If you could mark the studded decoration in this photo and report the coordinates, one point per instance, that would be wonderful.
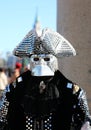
(49, 42)
(39, 124)
(75, 89)
(4, 110)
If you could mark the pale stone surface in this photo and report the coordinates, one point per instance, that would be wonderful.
(74, 23)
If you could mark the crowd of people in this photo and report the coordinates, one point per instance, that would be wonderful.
(8, 76)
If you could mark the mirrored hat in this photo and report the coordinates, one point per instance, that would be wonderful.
(48, 42)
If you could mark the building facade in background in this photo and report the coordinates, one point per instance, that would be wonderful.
(74, 23)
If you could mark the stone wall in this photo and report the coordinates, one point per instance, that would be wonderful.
(74, 23)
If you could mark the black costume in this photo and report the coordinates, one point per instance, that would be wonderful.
(46, 103)
(43, 99)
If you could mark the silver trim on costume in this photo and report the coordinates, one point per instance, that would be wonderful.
(4, 107)
(50, 42)
(32, 123)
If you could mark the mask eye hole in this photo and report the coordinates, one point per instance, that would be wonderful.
(36, 59)
(46, 59)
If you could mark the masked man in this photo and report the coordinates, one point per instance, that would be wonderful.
(42, 98)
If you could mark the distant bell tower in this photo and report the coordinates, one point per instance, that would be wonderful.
(37, 25)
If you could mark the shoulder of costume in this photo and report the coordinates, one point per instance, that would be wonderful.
(24, 76)
(69, 84)
(61, 77)
(20, 79)
(76, 88)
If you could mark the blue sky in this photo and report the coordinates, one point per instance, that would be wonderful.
(17, 18)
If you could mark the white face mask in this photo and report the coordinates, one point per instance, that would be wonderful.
(43, 65)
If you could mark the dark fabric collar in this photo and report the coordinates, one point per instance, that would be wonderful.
(58, 77)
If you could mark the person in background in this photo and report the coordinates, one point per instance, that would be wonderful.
(27, 67)
(18, 65)
(16, 72)
(43, 98)
(3, 81)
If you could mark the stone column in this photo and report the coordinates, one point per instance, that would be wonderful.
(74, 23)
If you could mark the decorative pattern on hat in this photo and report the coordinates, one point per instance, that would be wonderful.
(49, 42)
